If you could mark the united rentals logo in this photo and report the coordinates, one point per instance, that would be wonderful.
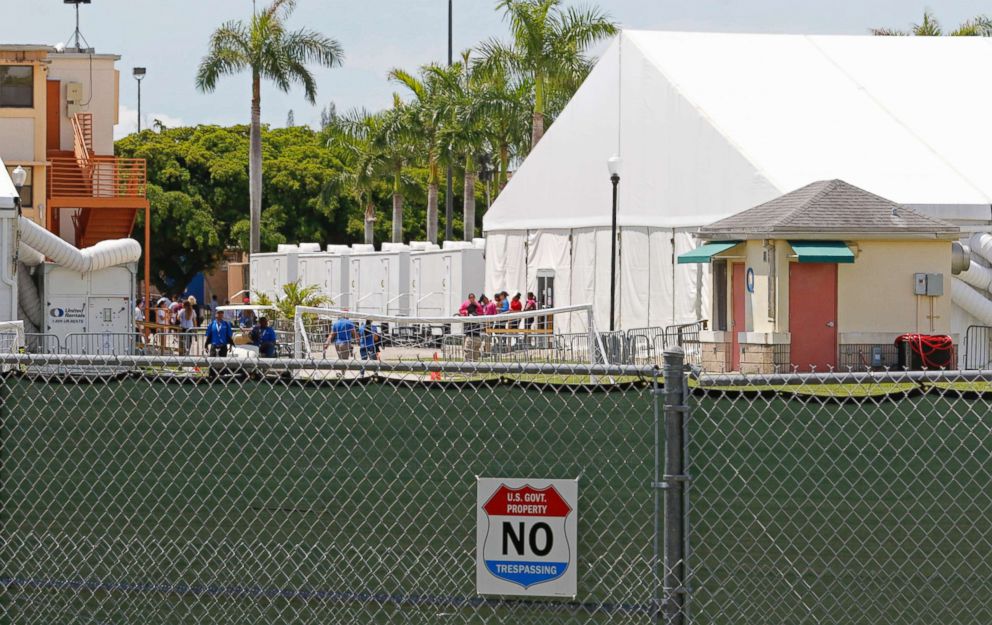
(57, 313)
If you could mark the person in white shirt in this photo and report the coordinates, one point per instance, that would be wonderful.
(187, 323)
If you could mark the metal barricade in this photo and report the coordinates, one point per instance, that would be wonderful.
(104, 343)
(37, 343)
(978, 348)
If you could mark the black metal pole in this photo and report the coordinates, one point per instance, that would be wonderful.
(139, 105)
(449, 199)
(615, 179)
(675, 480)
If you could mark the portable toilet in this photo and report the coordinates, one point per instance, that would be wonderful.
(271, 270)
(440, 279)
(379, 281)
(329, 272)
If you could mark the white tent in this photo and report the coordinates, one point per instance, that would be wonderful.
(711, 124)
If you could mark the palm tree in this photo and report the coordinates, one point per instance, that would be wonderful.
(359, 133)
(463, 132)
(980, 26)
(504, 102)
(393, 140)
(427, 114)
(549, 48)
(268, 50)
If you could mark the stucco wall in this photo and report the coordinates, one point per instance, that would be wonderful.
(22, 137)
(875, 293)
(875, 300)
(100, 90)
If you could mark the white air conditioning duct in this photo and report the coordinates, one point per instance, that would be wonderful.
(100, 256)
(973, 302)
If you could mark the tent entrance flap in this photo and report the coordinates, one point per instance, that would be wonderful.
(822, 251)
(705, 252)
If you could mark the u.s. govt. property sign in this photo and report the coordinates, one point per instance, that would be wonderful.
(527, 537)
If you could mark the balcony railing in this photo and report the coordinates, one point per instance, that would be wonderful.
(104, 177)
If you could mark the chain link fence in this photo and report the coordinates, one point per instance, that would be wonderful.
(169, 490)
(858, 498)
(146, 489)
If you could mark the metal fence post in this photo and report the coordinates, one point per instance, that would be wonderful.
(674, 482)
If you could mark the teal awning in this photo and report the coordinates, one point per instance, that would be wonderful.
(705, 253)
(822, 251)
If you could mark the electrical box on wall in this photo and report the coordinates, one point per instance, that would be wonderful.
(73, 98)
(929, 284)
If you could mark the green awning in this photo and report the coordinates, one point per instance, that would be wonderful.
(705, 253)
(822, 251)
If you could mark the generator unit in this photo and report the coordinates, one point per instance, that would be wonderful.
(95, 303)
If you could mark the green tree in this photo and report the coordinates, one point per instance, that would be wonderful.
(427, 115)
(463, 132)
(194, 242)
(207, 165)
(358, 133)
(394, 140)
(293, 294)
(548, 49)
(504, 103)
(929, 26)
(268, 50)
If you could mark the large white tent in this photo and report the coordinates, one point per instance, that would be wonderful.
(711, 124)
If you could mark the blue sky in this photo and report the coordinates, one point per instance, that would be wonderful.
(169, 38)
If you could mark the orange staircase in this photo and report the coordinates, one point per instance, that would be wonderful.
(107, 191)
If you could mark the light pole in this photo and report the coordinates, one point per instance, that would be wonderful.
(449, 200)
(613, 164)
(139, 75)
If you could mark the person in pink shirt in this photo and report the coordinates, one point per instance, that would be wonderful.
(489, 307)
(464, 310)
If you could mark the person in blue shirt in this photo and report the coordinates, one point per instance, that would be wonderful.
(369, 341)
(220, 335)
(264, 337)
(343, 334)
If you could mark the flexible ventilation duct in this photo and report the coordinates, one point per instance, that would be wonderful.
(977, 276)
(960, 257)
(973, 302)
(28, 256)
(981, 244)
(100, 256)
(29, 327)
(27, 296)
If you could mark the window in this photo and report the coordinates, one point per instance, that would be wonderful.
(16, 86)
(27, 191)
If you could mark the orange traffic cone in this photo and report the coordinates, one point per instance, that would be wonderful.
(435, 375)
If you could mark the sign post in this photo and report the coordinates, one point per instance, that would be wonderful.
(527, 537)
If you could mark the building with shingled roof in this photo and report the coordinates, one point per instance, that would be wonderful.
(826, 276)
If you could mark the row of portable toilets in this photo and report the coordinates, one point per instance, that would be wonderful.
(418, 279)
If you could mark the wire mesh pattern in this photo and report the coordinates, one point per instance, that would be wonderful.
(141, 490)
(150, 489)
(857, 499)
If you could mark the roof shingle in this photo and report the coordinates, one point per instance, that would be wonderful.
(828, 206)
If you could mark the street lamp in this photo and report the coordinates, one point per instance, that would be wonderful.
(613, 164)
(18, 177)
(139, 75)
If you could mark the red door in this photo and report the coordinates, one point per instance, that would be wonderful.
(738, 322)
(53, 118)
(813, 315)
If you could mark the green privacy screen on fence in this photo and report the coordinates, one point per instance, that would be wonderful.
(257, 501)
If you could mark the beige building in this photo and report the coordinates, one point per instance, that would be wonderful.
(58, 110)
(828, 276)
